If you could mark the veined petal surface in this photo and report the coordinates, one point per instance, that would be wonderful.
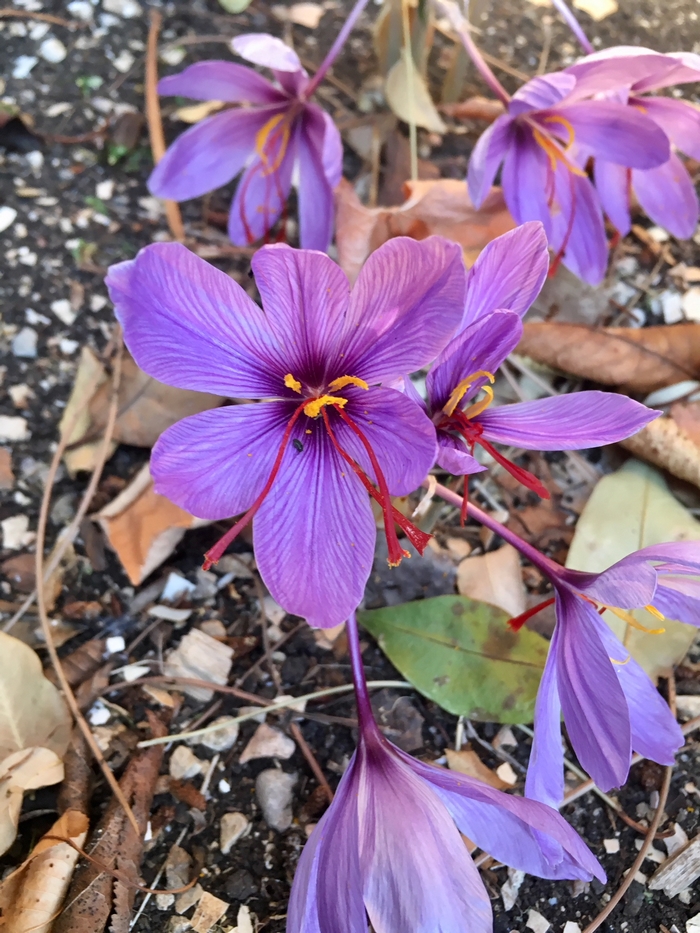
(220, 80)
(545, 772)
(487, 155)
(315, 192)
(667, 195)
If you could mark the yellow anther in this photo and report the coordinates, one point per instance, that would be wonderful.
(567, 126)
(343, 381)
(478, 407)
(555, 153)
(632, 622)
(655, 612)
(292, 383)
(262, 138)
(313, 408)
(460, 390)
(622, 663)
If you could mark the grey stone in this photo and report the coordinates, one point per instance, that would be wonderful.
(24, 343)
(273, 789)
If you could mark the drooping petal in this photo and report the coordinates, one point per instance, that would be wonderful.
(622, 66)
(686, 70)
(541, 92)
(508, 273)
(314, 535)
(614, 132)
(454, 457)
(679, 119)
(527, 181)
(396, 848)
(486, 158)
(668, 196)
(678, 598)
(208, 154)
(545, 772)
(481, 347)
(305, 297)
(189, 325)
(566, 422)
(220, 80)
(613, 182)
(325, 138)
(316, 205)
(264, 187)
(577, 226)
(400, 433)
(406, 303)
(510, 828)
(628, 584)
(595, 710)
(267, 51)
(215, 464)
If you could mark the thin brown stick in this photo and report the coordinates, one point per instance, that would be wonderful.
(155, 124)
(41, 598)
(44, 17)
(311, 760)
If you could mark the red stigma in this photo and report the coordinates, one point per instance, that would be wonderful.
(517, 622)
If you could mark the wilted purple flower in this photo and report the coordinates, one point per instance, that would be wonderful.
(666, 192)
(501, 286)
(389, 847)
(304, 460)
(278, 130)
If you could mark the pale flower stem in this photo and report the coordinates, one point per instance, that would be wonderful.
(574, 25)
(364, 707)
(461, 26)
(410, 66)
(347, 28)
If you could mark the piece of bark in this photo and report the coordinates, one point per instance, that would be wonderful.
(638, 360)
(74, 792)
(679, 871)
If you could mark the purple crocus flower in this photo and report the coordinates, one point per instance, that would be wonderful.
(501, 286)
(278, 130)
(303, 461)
(666, 192)
(389, 847)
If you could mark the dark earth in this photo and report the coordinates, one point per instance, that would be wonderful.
(64, 238)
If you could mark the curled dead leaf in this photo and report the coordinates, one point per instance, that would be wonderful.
(666, 444)
(468, 762)
(475, 108)
(440, 207)
(408, 96)
(632, 359)
(26, 769)
(495, 577)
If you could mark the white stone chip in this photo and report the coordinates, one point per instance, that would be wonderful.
(23, 66)
(571, 927)
(13, 428)
(14, 532)
(99, 715)
(176, 586)
(221, 738)
(115, 644)
(184, 764)
(105, 189)
(63, 311)
(80, 9)
(128, 9)
(8, 215)
(233, 827)
(691, 305)
(536, 922)
(52, 50)
(24, 343)
(268, 742)
(611, 846)
(123, 61)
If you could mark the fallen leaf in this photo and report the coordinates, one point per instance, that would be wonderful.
(468, 762)
(461, 654)
(597, 9)
(397, 170)
(7, 477)
(209, 911)
(664, 443)
(301, 14)
(31, 897)
(235, 6)
(23, 770)
(632, 359)
(143, 527)
(407, 94)
(628, 510)
(91, 373)
(194, 113)
(199, 657)
(494, 578)
(32, 711)
(475, 108)
(439, 207)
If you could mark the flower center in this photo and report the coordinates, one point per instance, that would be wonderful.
(552, 145)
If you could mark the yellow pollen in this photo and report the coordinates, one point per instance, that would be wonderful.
(567, 126)
(308, 431)
(292, 383)
(343, 381)
(313, 408)
(632, 622)
(460, 390)
(555, 153)
(622, 663)
(263, 136)
(478, 407)
(655, 612)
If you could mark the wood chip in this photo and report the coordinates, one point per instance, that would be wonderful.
(468, 762)
(200, 657)
(209, 911)
(679, 871)
(7, 477)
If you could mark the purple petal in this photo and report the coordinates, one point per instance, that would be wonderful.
(541, 92)
(594, 706)
(668, 196)
(482, 346)
(526, 180)
(566, 422)
(511, 828)
(400, 433)
(305, 297)
(582, 235)
(314, 534)
(453, 457)
(411, 392)
(407, 301)
(486, 157)
(612, 182)
(220, 80)
(676, 554)
(679, 120)
(622, 66)
(264, 187)
(208, 154)
(267, 51)
(628, 584)
(685, 71)
(678, 598)
(316, 204)
(216, 463)
(325, 138)
(189, 325)
(404, 827)
(508, 274)
(613, 132)
(545, 772)
(655, 732)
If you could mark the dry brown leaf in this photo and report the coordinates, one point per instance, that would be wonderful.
(31, 897)
(494, 578)
(408, 96)
(397, 170)
(664, 443)
(143, 527)
(209, 911)
(634, 360)
(438, 207)
(301, 14)
(32, 711)
(91, 372)
(475, 108)
(24, 770)
(597, 9)
(7, 477)
(468, 762)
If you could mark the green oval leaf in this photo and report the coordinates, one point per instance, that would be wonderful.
(461, 654)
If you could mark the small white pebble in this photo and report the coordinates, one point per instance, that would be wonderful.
(123, 61)
(115, 644)
(13, 428)
(99, 715)
(80, 9)
(611, 846)
(224, 786)
(105, 189)
(23, 66)
(63, 311)
(8, 215)
(125, 8)
(68, 346)
(52, 50)
(97, 302)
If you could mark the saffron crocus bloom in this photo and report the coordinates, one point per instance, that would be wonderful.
(501, 286)
(278, 130)
(304, 460)
(666, 192)
(538, 143)
(389, 848)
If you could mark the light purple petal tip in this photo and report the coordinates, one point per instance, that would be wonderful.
(667, 195)
(266, 51)
(220, 80)
(486, 158)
